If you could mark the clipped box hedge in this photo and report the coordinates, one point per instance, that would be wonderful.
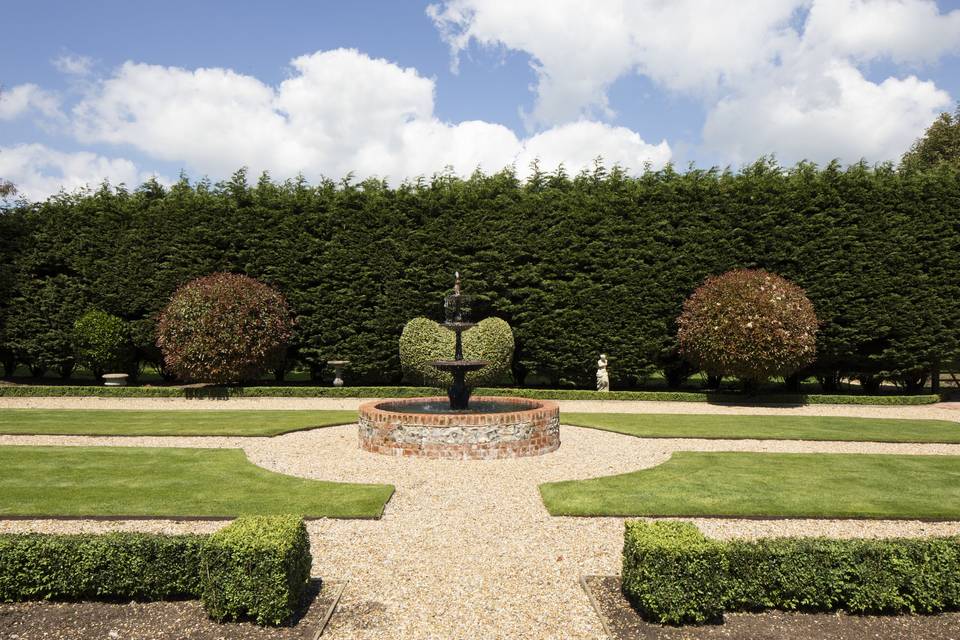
(256, 567)
(96, 567)
(50, 391)
(673, 574)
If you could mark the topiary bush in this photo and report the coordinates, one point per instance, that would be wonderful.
(424, 341)
(748, 323)
(142, 566)
(673, 574)
(223, 328)
(256, 567)
(101, 341)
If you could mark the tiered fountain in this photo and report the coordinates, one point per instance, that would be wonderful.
(456, 426)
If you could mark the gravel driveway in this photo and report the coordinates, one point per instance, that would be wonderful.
(466, 549)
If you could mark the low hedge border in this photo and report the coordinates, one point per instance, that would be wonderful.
(256, 567)
(34, 391)
(673, 574)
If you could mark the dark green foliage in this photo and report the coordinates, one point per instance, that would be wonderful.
(256, 567)
(673, 574)
(101, 342)
(97, 567)
(578, 266)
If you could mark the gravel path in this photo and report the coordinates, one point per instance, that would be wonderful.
(466, 549)
(941, 411)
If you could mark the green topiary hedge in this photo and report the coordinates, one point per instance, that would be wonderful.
(94, 567)
(256, 567)
(424, 341)
(673, 574)
(101, 342)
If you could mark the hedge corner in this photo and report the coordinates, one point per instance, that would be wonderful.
(257, 567)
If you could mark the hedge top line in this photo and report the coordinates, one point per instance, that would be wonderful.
(57, 391)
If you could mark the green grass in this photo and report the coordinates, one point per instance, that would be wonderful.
(168, 482)
(95, 422)
(792, 485)
(768, 427)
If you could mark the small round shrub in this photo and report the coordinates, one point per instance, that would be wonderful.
(223, 328)
(424, 341)
(750, 324)
(101, 341)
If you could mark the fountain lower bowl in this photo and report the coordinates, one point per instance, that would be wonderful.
(419, 427)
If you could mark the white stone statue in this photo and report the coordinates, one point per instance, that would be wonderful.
(603, 378)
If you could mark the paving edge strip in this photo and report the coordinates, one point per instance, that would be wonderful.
(333, 605)
(593, 603)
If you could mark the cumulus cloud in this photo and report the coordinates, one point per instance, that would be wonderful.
(763, 68)
(26, 98)
(833, 113)
(339, 111)
(39, 171)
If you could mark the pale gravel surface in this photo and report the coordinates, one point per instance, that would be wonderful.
(941, 411)
(465, 548)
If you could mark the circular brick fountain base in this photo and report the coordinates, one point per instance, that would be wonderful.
(531, 429)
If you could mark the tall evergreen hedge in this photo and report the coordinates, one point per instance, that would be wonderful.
(599, 262)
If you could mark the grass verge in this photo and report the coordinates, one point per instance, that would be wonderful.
(793, 485)
(768, 427)
(97, 422)
(168, 482)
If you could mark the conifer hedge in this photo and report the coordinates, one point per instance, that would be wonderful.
(596, 263)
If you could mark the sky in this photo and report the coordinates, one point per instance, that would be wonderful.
(122, 91)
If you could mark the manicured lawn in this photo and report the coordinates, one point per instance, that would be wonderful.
(141, 481)
(770, 484)
(768, 427)
(95, 422)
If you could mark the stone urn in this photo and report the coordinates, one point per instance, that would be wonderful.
(338, 366)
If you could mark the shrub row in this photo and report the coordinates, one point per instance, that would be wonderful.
(596, 263)
(256, 567)
(673, 574)
(52, 391)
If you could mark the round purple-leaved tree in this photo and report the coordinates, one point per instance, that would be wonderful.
(223, 328)
(748, 323)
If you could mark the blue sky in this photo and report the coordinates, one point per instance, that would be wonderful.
(119, 90)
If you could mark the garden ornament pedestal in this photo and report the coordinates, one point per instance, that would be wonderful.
(338, 366)
(115, 379)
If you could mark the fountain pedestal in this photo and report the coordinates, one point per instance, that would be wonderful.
(459, 392)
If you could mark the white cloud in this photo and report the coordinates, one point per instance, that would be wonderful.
(775, 75)
(39, 171)
(25, 98)
(73, 65)
(580, 48)
(833, 113)
(902, 30)
(577, 144)
(340, 111)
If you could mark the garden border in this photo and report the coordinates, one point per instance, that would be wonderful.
(217, 392)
